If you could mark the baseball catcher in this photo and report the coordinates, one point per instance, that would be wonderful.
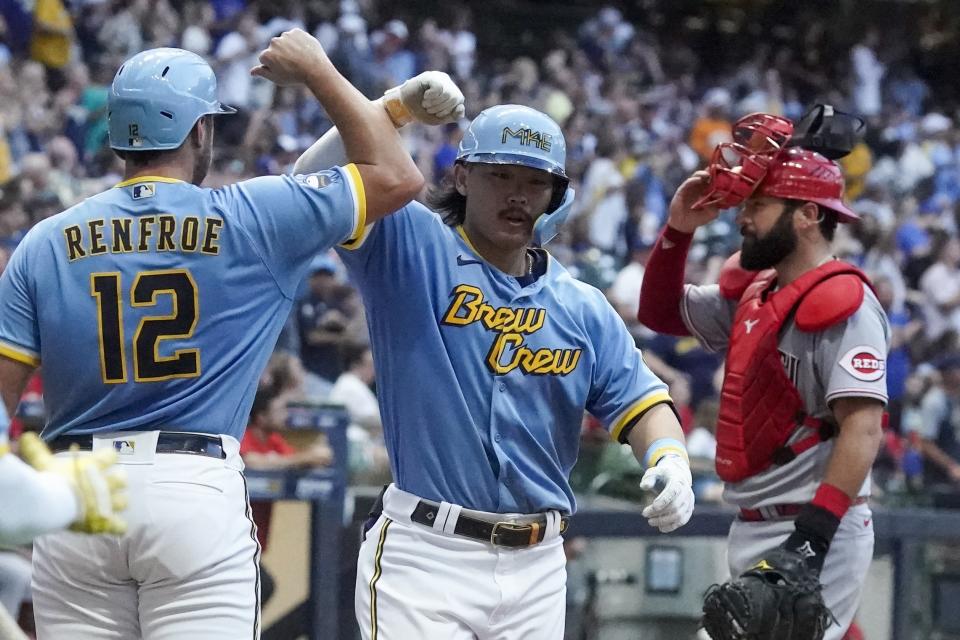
(801, 408)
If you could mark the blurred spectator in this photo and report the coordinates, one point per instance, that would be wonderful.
(713, 125)
(391, 55)
(868, 74)
(263, 448)
(322, 321)
(701, 441)
(604, 203)
(905, 329)
(353, 391)
(940, 285)
(52, 35)
(939, 425)
(368, 455)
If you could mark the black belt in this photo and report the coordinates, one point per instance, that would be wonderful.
(198, 444)
(504, 534)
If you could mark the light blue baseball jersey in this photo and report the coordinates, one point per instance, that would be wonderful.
(483, 382)
(156, 304)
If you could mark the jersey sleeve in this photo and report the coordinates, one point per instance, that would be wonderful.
(380, 247)
(19, 329)
(623, 388)
(851, 357)
(708, 315)
(289, 219)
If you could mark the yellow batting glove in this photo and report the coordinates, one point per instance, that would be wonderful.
(98, 484)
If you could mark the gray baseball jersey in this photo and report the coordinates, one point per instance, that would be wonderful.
(846, 360)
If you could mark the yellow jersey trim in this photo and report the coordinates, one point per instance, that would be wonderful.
(14, 353)
(463, 234)
(127, 183)
(353, 174)
(636, 409)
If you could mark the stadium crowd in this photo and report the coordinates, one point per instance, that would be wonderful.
(643, 92)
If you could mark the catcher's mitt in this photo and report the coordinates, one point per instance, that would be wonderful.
(777, 599)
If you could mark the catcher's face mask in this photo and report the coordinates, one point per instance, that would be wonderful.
(737, 167)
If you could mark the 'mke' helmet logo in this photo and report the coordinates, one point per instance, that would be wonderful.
(528, 137)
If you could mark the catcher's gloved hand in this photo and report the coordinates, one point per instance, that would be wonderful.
(673, 506)
(777, 599)
(93, 478)
(431, 98)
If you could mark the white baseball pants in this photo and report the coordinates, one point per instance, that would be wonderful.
(187, 568)
(429, 584)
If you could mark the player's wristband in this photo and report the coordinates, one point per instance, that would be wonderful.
(833, 499)
(395, 108)
(662, 447)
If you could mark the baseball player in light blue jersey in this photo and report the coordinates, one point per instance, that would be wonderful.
(153, 307)
(487, 353)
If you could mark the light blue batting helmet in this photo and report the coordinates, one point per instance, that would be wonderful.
(514, 134)
(156, 98)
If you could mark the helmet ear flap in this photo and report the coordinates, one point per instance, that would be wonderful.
(559, 191)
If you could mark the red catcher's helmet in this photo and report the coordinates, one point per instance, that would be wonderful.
(737, 167)
(799, 174)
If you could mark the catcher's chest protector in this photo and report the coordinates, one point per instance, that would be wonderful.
(760, 407)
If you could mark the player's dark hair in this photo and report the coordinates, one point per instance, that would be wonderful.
(828, 218)
(448, 202)
(148, 157)
(140, 158)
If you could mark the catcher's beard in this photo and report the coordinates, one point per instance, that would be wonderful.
(758, 253)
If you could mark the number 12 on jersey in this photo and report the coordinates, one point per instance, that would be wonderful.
(148, 364)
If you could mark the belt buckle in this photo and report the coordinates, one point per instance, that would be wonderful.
(510, 526)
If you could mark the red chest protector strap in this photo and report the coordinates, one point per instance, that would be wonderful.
(761, 408)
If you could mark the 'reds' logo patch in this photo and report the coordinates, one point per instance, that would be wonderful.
(864, 363)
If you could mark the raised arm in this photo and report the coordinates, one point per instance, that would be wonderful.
(429, 98)
(662, 289)
(370, 140)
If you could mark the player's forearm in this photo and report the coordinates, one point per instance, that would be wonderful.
(34, 503)
(370, 141)
(861, 432)
(860, 421)
(659, 424)
(662, 288)
(326, 152)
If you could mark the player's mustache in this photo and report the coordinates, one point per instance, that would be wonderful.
(514, 211)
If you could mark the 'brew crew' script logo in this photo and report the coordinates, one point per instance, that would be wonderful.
(509, 350)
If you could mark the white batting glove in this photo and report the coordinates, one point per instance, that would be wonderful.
(431, 98)
(672, 508)
(96, 481)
